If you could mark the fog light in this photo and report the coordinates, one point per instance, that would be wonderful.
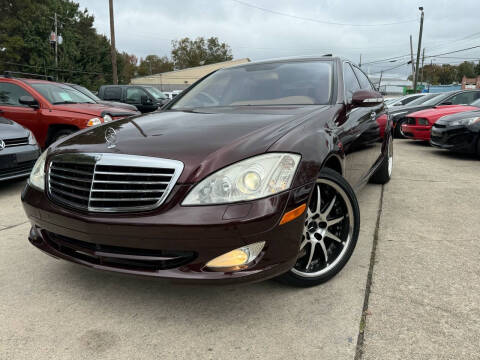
(237, 259)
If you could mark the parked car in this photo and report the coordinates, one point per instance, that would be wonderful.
(404, 100)
(458, 132)
(18, 150)
(52, 110)
(95, 98)
(144, 98)
(460, 97)
(251, 174)
(420, 123)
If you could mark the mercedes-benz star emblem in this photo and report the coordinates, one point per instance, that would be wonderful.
(2, 144)
(111, 137)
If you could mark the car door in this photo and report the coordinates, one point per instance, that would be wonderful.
(139, 97)
(11, 108)
(358, 131)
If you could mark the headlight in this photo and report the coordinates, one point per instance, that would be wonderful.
(37, 176)
(466, 121)
(94, 121)
(31, 139)
(107, 118)
(250, 179)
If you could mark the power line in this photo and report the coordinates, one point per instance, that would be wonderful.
(315, 20)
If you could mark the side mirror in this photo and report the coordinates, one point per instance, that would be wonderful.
(29, 101)
(145, 100)
(363, 98)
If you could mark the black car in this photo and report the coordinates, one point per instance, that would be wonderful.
(95, 98)
(458, 132)
(144, 98)
(460, 97)
(18, 150)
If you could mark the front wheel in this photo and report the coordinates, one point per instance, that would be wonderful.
(330, 232)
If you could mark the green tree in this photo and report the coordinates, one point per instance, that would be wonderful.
(153, 64)
(467, 69)
(190, 53)
(84, 56)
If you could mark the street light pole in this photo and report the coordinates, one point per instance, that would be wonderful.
(113, 50)
(419, 49)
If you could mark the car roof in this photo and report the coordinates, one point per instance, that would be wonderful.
(291, 59)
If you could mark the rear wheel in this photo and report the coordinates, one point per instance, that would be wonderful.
(330, 232)
(384, 172)
(398, 129)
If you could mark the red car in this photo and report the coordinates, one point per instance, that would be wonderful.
(52, 110)
(420, 123)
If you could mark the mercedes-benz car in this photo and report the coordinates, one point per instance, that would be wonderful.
(18, 150)
(250, 174)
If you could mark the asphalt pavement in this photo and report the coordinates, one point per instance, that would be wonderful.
(417, 297)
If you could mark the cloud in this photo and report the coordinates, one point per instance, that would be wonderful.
(147, 27)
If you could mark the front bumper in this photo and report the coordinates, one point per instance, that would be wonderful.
(455, 138)
(417, 132)
(17, 161)
(173, 242)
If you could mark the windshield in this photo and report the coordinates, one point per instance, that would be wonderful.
(435, 99)
(157, 94)
(476, 103)
(282, 83)
(87, 92)
(61, 94)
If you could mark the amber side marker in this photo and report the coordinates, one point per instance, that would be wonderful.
(293, 214)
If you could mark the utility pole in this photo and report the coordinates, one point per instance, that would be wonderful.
(360, 63)
(423, 61)
(419, 48)
(411, 61)
(56, 42)
(112, 41)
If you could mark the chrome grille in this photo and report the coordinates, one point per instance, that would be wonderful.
(16, 142)
(111, 182)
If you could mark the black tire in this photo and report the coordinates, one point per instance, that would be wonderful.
(398, 129)
(478, 147)
(384, 172)
(346, 230)
(60, 134)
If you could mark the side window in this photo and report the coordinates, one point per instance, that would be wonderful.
(350, 80)
(113, 93)
(464, 98)
(11, 93)
(134, 95)
(363, 79)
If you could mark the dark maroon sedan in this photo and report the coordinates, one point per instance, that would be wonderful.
(249, 174)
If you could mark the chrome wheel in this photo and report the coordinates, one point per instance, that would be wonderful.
(328, 230)
(390, 157)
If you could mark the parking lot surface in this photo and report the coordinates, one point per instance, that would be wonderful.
(423, 302)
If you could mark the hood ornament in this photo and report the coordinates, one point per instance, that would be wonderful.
(2, 144)
(111, 138)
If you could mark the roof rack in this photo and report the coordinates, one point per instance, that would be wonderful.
(8, 74)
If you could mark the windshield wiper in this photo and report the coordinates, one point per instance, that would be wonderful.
(64, 102)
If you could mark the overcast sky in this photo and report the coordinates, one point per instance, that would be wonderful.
(312, 28)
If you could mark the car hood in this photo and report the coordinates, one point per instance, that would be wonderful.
(204, 140)
(11, 130)
(95, 109)
(440, 111)
(119, 105)
(463, 115)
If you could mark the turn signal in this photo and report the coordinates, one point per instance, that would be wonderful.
(293, 214)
